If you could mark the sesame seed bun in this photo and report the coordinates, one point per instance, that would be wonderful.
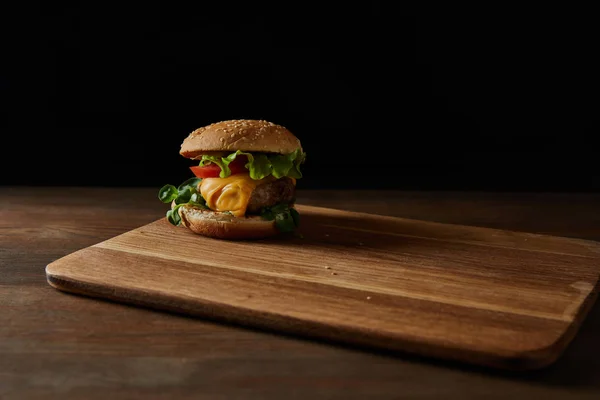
(224, 226)
(242, 134)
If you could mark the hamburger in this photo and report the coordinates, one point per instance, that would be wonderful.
(243, 184)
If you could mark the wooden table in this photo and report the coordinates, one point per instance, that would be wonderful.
(55, 345)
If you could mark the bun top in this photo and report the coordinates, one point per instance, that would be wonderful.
(241, 134)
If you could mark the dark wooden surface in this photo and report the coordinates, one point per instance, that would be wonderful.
(55, 345)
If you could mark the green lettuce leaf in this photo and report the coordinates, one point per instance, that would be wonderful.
(261, 165)
(287, 219)
(297, 158)
(185, 194)
(281, 165)
(222, 162)
(258, 167)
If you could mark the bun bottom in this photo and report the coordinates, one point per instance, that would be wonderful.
(225, 226)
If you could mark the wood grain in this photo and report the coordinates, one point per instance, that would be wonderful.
(487, 296)
(58, 346)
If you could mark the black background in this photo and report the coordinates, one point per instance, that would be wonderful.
(381, 96)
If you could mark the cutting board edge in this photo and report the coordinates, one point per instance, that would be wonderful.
(522, 361)
(590, 242)
(587, 242)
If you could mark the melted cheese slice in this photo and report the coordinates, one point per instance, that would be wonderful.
(230, 194)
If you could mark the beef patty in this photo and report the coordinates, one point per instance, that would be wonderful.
(282, 190)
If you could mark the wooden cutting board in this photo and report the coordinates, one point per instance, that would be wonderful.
(497, 298)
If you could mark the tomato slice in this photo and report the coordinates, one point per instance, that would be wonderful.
(211, 170)
(238, 166)
(208, 171)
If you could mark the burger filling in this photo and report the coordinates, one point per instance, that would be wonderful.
(241, 184)
(257, 165)
(272, 193)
